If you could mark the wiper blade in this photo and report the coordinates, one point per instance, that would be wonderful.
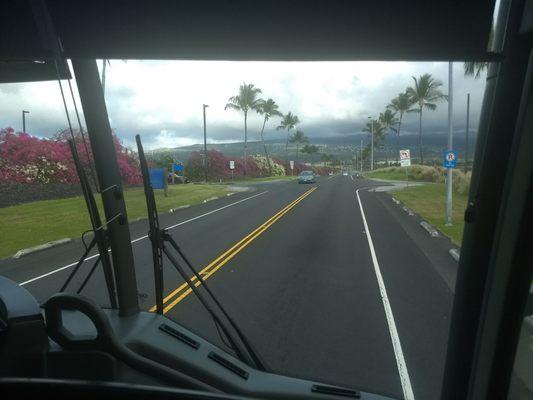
(158, 238)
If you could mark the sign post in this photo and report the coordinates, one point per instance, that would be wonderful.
(405, 161)
(449, 162)
(172, 169)
(292, 166)
(232, 167)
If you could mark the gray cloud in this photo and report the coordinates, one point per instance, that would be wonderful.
(162, 100)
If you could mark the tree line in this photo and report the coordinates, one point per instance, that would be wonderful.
(423, 94)
(248, 100)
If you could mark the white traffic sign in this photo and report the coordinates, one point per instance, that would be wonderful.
(405, 158)
(232, 164)
(292, 164)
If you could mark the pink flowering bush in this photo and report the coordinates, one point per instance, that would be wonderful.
(218, 167)
(29, 159)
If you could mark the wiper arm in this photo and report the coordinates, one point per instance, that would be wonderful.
(158, 238)
(99, 240)
(257, 360)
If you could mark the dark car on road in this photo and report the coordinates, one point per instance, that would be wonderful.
(306, 177)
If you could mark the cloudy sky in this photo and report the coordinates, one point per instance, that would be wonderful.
(162, 100)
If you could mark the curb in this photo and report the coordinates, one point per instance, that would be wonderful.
(179, 208)
(455, 253)
(45, 246)
(432, 231)
(209, 199)
(408, 210)
(395, 200)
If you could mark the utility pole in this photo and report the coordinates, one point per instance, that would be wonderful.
(467, 129)
(205, 146)
(450, 145)
(361, 148)
(24, 112)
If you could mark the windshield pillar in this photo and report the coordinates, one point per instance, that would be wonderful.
(103, 148)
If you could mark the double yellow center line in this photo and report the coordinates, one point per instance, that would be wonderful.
(184, 290)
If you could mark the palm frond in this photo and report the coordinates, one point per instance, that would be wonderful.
(475, 68)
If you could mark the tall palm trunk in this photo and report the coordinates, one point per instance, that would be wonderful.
(420, 139)
(265, 148)
(245, 142)
(398, 138)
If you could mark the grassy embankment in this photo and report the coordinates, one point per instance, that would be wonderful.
(429, 201)
(31, 224)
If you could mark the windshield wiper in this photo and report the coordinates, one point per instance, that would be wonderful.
(159, 237)
(100, 238)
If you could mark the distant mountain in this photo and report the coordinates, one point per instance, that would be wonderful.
(341, 147)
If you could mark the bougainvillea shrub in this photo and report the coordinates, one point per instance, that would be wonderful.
(218, 167)
(29, 159)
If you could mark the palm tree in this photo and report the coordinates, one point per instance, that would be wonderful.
(326, 158)
(298, 138)
(310, 149)
(388, 120)
(475, 68)
(288, 122)
(377, 131)
(400, 105)
(245, 101)
(267, 108)
(424, 93)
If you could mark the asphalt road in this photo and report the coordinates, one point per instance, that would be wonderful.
(319, 294)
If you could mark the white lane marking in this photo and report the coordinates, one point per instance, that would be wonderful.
(143, 237)
(332, 176)
(351, 177)
(398, 353)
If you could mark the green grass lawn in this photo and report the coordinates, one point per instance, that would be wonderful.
(31, 224)
(429, 201)
(383, 174)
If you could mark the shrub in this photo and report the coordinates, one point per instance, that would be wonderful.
(29, 159)
(461, 181)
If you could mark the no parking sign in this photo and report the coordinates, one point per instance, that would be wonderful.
(405, 158)
(450, 159)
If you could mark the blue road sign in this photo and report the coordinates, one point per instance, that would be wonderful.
(178, 167)
(450, 159)
(157, 178)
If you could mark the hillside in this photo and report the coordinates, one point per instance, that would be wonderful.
(342, 147)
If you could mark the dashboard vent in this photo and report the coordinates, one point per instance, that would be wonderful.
(336, 391)
(180, 336)
(228, 365)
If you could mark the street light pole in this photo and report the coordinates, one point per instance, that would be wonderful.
(24, 112)
(450, 145)
(371, 143)
(205, 146)
(361, 150)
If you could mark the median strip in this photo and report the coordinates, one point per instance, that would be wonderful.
(184, 290)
